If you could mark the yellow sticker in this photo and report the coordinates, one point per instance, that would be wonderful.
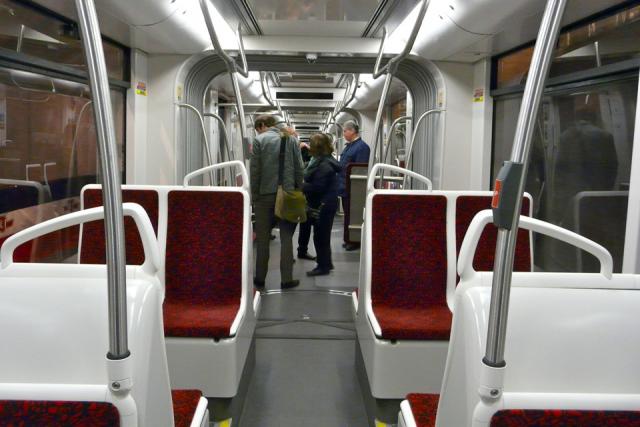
(179, 90)
(141, 89)
(478, 95)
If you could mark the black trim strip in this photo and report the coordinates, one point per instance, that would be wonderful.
(580, 78)
(24, 62)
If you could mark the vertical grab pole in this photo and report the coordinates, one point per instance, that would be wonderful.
(207, 147)
(241, 117)
(507, 199)
(112, 196)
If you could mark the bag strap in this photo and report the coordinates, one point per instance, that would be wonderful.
(283, 142)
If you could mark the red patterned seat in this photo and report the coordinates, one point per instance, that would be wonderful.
(466, 209)
(203, 275)
(424, 408)
(409, 266)
(185, 403)
(17, 413)
(92, 250)
(565, 418)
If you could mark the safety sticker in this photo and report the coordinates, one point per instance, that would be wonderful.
(478, 95)
(141, 89)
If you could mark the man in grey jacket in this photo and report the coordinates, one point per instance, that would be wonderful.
(265, 161)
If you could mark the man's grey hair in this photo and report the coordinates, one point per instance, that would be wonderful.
(351, 125)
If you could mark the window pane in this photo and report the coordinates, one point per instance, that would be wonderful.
(579, 167)
(604, 41)
(29, 31)
(48, 152)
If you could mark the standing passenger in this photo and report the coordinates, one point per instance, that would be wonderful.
(265, 162)
(355, 151)
(321, 190)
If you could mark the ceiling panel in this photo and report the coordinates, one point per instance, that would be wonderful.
(346, 18)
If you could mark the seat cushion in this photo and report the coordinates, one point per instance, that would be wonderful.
(565, 418)
(92, 250)
(424, 408)
(198, 319)
(58, 413)
(430, 323)
(185, 403)
(409, 266)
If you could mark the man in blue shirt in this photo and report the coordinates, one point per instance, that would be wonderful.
(355, 151)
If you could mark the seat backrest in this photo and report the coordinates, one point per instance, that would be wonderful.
(568, 345)
(408, 249)
(92, 241)
(467, 206)
(55, 324)
(204, 249)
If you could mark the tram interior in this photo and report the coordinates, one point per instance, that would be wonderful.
(395, 334)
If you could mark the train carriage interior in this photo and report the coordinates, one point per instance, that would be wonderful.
(485, 247)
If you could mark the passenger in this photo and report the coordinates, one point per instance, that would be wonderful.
(321, 190)
(265, 162)
(355, 151)
(305, 227)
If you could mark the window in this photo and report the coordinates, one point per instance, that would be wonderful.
(600, 42)
(579, 167)
(30, 31)
(48, 142)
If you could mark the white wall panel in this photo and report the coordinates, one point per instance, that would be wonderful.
(161, 149)
(458, 81)
(481, 127)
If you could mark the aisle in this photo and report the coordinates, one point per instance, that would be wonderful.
(305, 343)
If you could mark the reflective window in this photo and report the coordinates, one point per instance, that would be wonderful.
(48, 152)
(579, 167)
(29, 31)
(601, 42)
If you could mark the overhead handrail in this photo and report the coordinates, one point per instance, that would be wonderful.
(382, 166)
(394, 124)
(232, 68)
(485, 217)
(207, 147)
(152, 261)
(119, 368)
(224, 132)
(234, 163)
(407, 157)
(349, 95)
(507, 203)
(390, 68)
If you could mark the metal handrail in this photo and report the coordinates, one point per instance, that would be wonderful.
(232, 68)
(112, 196)
(224, 133)
(407, 157)
(394, 124)
(390, 68)
(207, 148)
(508, 199)
(393, 62)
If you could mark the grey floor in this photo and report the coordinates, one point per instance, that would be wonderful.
(305, 343)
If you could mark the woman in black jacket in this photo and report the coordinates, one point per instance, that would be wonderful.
(321, 189)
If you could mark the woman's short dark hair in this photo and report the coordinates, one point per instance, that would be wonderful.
(264, 120)
(320, 144)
